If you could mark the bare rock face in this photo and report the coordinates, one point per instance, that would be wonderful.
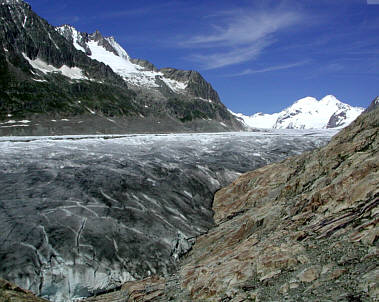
(10, 292)
(374, 104)
(305, 229)
(307, 226)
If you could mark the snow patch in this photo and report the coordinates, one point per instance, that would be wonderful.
(205, 100)
(13, 121)
(174, 85)
(257, 120)
(9, 124)
(93, 112)
(74, 73)
(12, 126)
(55, 44)
(122, 66)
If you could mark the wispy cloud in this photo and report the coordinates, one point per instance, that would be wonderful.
(129, 12)
(268, 69)
(244, 28)
(234, 56)
(241, 37)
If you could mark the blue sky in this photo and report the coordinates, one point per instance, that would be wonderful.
(259, 55)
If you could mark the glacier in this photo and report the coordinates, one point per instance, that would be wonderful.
(83, 214)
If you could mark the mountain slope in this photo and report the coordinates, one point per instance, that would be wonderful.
(135, 72)
(305, 229)
(307, 113)
(294, 228)
(52, 74)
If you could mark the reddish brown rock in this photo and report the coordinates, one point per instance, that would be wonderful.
(10, 292)
(275, 220)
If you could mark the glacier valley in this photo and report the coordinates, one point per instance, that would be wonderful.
(83, 214)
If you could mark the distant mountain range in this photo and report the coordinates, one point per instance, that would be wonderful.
(306, 113)
(58, 80)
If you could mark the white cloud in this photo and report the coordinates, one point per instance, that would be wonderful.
(240, 37)
(271, 68)
(234, 56)
(244, 28)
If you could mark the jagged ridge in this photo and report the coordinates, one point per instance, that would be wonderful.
(52, 73)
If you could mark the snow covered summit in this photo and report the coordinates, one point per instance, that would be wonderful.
(109, 52)
(307, 113)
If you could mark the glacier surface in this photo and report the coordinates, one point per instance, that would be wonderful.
(83, 214)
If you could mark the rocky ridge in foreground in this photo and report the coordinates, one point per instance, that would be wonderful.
(305, 229)
(10, 292)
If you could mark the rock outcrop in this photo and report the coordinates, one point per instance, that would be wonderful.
(305, 229)
(10, 292)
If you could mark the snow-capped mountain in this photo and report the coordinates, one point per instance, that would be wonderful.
(258, 120)
(109, 52)
(306, 113)
(69, 82)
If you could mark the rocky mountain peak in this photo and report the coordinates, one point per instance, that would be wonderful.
(97, 36)
(79, 39)
(145, 64)
(196, 83)
(103, 42)
(13, 2)
(374, 105)
(140, 72)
